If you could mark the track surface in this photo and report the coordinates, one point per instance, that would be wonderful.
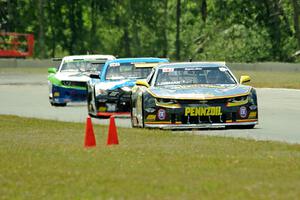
(27, 95)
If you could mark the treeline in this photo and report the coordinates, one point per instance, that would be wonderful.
(231, 30)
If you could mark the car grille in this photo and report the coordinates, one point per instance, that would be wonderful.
(208, 102)
(203, 119)
(74, 83)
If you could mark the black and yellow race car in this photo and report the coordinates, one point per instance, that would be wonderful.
(193, 95)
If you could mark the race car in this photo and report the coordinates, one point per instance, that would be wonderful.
(193, 95)
(67, 83)
(110, 94)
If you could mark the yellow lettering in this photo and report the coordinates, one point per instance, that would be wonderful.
(213, 111)
(207, 111)
(193, 112)
(198, 111)
(203, 111)
(187, 111)
(218, 111)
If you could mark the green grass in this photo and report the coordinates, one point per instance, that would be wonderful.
(43, 159)
(266, 79)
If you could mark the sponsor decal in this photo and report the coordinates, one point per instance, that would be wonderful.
(168, 69)
(252, 114)
(151, 117)
(56, 94)
(192, 68)
(253, 107)
(102, 109)
(203, 111)
(114, 64)
(145, 65)
(222, 69)
(161, 114)
(243, 112)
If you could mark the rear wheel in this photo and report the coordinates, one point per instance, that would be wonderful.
(90, 101)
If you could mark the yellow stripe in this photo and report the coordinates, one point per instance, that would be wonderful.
(252, 114)
(246, 120)
(241, 120)
(166, 105)
(137, 65)
(162, 123)
(238, 103)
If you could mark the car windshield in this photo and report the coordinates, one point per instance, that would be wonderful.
(119, 71)
(82, 66)
(194, 75)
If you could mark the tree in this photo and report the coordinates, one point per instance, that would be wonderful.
(178, 15)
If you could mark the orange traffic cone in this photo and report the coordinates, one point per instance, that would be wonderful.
(89, 140)
(112, 137)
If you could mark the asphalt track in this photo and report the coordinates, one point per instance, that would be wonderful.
(27, 95)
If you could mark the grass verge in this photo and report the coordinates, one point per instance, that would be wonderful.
(43, 159)
(265, 79)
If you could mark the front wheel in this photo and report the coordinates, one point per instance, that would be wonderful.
(58, 104)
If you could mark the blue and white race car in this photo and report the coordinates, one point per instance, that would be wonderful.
(67, 83)
(110, 93)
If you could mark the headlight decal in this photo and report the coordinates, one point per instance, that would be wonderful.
(236, 102)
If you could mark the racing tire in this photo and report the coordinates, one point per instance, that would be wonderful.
(247, 127)
(241, 127)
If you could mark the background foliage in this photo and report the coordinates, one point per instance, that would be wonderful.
(231, 30)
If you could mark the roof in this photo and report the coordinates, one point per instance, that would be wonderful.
(193, 64)
(146, 59)
(89, 57)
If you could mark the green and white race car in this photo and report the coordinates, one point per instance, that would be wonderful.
(67, 83)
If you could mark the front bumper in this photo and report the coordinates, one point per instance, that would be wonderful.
(65, 95)
(115, 102)
(199, 126)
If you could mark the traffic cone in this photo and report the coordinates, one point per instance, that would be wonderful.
(112, 137)
(89, 140)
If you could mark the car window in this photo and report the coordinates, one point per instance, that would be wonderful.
(80, 66)
(119, 71)
(194, 75)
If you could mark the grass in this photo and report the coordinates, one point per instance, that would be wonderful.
(43, 159)
(265, 79)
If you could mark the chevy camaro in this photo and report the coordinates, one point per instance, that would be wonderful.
(67, 83)
(193, 95)
(110, 93)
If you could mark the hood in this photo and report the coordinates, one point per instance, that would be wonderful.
(199, 91)
(112, 85)
(73, 76)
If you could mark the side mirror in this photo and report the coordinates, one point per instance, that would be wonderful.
(52, 70)
(95, 76)
(142, 83)
(244, 79)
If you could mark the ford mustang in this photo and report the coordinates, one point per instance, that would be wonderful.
(193, 95)
(110, 93)
(68, 82)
